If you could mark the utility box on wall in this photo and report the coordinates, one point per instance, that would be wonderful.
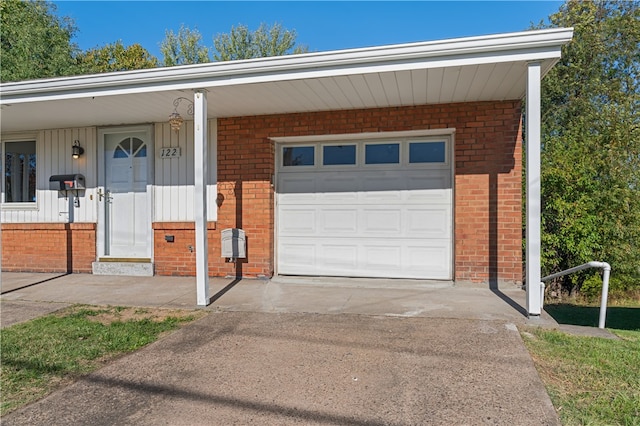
(233, 243)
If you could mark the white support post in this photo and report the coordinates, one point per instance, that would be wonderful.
(200, 196)
(534, 298)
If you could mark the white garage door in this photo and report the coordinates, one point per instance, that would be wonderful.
(365, 209)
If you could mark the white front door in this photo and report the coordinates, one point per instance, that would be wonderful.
(126, 220)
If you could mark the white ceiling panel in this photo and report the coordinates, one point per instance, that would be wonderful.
(319, 89)
(449, 83)
(419, 82)
(337, 93)
(480, 80)
(360, 85)
(390, 87)
(466, 79)
(405, 87)
(494, 82)
(375, 86)
(347, 88)
(434, 85)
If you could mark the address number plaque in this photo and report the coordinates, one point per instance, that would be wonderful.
(171, 152)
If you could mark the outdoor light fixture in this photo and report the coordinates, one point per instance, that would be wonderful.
(77, 150)
(175, 120)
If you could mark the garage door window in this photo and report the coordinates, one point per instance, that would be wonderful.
(387, 153)
(298, 156)
(338, 155)
(427, 152)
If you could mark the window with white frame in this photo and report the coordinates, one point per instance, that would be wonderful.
(19, 172)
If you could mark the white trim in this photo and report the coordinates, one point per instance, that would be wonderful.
(533, 222)
(363, 136)
(101, 177)
(18, 137)
(521, 46)
(201, 178)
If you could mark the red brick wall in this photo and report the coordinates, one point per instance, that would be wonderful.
(488, 148)
(178, 258)
(245, 198)
(488, 232)
(48, 247)
(488, 209)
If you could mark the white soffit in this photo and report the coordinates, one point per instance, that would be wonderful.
(459, 70)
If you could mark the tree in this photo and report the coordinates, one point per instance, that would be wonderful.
(591, 143)
(115, 57)
(241, 43)
(183, 48)
(35, 43)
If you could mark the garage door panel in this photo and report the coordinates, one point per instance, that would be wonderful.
(430, 180)
(338, 221)
(293, 189)
(436, 257)
(380, 258)
(336, 197)
(299, 257)
(339, 257)
(385, 184)
(428, 222)
(380, 197)
(429, 196)
(337, 182)
(296, 221)
(388, 221)
(380, 222)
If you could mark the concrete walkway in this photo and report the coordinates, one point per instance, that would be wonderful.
(404, 298)
(314, 351)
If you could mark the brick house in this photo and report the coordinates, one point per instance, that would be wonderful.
(399, 161)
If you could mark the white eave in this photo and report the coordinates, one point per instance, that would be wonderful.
(456, 70)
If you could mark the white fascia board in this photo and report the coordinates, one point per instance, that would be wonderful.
(365, 135)
(522, 46)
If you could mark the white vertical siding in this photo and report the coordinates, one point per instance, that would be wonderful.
(53, 157)
(173, 178)
(174, 181)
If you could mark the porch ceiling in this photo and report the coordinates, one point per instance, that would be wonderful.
(461, 70)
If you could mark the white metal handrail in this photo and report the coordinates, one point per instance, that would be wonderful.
(605, 284)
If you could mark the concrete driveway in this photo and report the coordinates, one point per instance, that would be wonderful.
(307, 353)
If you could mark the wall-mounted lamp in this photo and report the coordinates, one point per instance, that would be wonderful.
(175, 120)
(77, 150)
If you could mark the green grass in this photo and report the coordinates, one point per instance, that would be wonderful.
(591, 381)
(39, 355)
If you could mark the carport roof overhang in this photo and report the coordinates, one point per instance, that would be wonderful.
(484, 68)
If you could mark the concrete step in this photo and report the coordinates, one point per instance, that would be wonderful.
(134, 269)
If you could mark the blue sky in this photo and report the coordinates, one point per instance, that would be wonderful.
(323, 25)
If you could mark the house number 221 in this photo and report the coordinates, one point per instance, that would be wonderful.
(169, 152)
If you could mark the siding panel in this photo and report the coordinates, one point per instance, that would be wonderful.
(53, 150)
(174, 180)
